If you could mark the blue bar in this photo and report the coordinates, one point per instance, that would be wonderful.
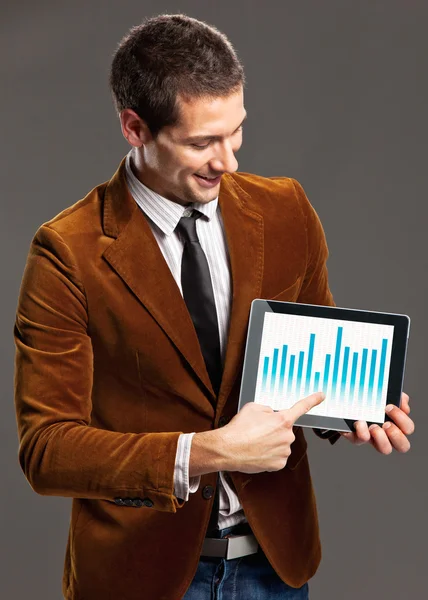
(344, 370)
(265, 373)
(274, 365)
(372, 372)
(317, 381)
(299, 371)
(336, 360)
(308, 380)
(282, 369)
(309, 367)
(363, 372)
(326, 372)
(353, 375)
(382, 369)
(291, 372)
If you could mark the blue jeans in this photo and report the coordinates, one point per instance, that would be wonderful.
(247, 578)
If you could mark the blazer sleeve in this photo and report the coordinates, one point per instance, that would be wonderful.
(315, 288)
(60, 452)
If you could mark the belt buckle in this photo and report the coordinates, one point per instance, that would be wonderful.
(231, 547)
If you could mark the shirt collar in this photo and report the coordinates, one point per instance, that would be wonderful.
(163, 212)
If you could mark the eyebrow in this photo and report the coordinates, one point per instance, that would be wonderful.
(201, 138)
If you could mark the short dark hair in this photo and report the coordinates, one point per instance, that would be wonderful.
(167, 57)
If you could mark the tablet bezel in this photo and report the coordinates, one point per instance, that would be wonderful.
(259, 307)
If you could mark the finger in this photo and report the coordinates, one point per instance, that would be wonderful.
(400, 418)
(260, 407)
(350, 436)
(396, 437)
(255, 406)
(404, 404)
(303, 406)
(380, 439)
(362, 432)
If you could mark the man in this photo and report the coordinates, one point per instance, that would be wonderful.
(130, 337)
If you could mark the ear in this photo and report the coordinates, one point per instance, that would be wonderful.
(134, 129)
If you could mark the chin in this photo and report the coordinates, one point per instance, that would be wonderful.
(204, 199)
(201, 196)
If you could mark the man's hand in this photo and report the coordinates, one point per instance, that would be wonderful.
(392, 435)
(258, 438)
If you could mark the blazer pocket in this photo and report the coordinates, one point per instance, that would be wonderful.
(298, 449)
(290, 294)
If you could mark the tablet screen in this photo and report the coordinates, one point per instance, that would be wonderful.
(349, 361)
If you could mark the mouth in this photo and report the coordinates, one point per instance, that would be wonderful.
(208, 181)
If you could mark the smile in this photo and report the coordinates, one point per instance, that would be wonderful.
(208, 182)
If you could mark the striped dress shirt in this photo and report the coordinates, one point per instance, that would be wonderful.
(163, 216)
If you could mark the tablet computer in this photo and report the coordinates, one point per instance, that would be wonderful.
(355, 357)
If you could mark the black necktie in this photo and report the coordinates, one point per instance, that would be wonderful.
(199, 297)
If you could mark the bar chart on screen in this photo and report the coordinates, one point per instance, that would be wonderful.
(349, 361)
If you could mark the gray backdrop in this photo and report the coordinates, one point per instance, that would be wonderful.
(336, 97)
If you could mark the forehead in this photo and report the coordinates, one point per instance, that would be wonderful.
(210, 113)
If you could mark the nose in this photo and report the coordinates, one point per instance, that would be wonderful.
(224, 161)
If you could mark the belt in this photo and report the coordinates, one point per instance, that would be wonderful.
(232, 545)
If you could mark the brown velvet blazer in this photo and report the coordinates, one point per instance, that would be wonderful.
(109, 372)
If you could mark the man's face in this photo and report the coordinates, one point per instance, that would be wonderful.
(202, 145)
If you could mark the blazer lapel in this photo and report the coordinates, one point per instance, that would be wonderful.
(137, 259)
(244, 234)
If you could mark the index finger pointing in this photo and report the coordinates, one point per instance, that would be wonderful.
(301, 407)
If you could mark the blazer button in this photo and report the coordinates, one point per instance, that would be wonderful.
(147, 502)
(223, 421)
(128, 502)
(208, 492)
(138, 503)
(119, 501)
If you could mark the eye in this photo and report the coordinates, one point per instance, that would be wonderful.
(201, 147)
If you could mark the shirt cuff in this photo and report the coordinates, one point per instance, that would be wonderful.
(182, 484)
